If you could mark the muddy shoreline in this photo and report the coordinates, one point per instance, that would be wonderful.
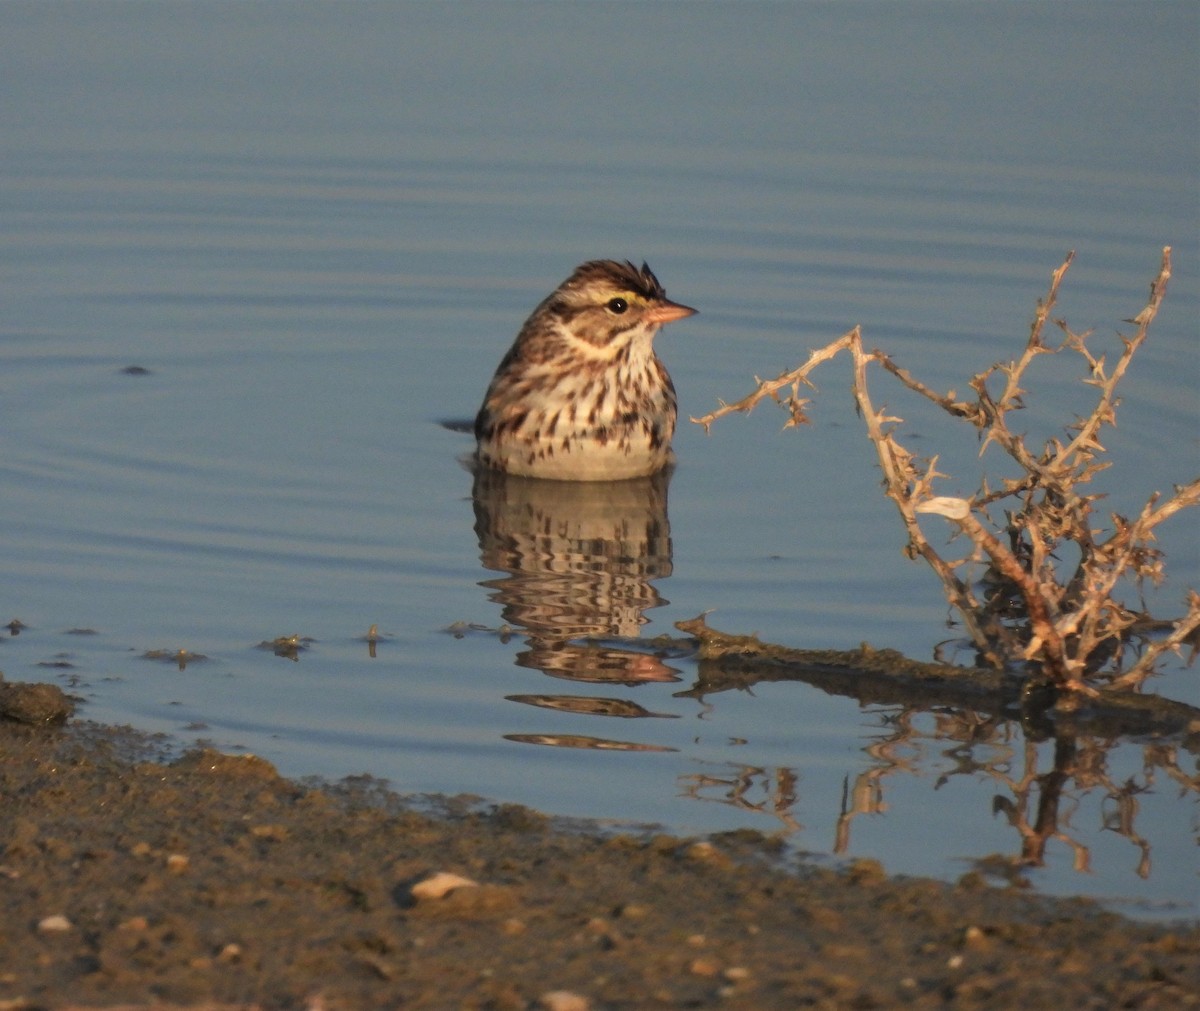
(132, 879)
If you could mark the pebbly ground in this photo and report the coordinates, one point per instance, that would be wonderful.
(132, 880)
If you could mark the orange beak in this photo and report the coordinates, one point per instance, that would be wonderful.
(668, 312)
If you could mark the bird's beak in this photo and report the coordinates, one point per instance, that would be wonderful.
(668, 312)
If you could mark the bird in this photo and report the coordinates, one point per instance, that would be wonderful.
(581, 394)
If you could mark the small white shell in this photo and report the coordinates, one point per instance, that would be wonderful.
(54, 924)
(439, 885)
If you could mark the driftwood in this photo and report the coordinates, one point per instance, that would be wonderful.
(887, 677)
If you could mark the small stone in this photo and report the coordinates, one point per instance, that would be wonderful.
(866, 871)
(973, 937)
(704, 967)
(54, 924)
(972, 881)
(439, 885)
(707, 853)
(838, 950)
(564, 1000)
(512, 927)
(736, 973)
(608, 935)
(177, 863)
(842, 982)
(826, 918)
(230, 953)
(954, 962)
(275, 833)
(135, 924)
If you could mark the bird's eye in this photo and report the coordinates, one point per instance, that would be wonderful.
(617, 305)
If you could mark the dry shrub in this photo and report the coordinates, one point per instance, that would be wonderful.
(1064, 624)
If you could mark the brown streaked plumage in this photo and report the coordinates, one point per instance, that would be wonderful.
(581, 395)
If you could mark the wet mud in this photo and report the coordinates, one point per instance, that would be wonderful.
(133, 878)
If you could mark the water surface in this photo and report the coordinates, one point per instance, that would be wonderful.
(314, 230)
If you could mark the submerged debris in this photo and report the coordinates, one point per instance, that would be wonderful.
(179, 657)
(288, 646)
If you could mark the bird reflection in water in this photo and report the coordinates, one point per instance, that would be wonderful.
(579, 560)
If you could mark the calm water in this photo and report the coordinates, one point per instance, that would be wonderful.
(319, 226)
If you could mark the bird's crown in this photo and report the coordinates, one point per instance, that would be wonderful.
(617, 276)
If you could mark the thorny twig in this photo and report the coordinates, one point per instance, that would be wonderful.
(1072, 629)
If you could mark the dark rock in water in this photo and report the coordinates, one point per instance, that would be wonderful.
(35, 704)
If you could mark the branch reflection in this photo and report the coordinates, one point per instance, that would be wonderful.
(1049, 787)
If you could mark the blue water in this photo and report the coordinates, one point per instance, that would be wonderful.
(318, 228)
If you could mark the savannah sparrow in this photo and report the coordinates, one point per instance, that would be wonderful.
(581, 396)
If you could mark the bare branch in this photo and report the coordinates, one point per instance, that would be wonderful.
(1103, 414)
(771, 387)
(1025, 611)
